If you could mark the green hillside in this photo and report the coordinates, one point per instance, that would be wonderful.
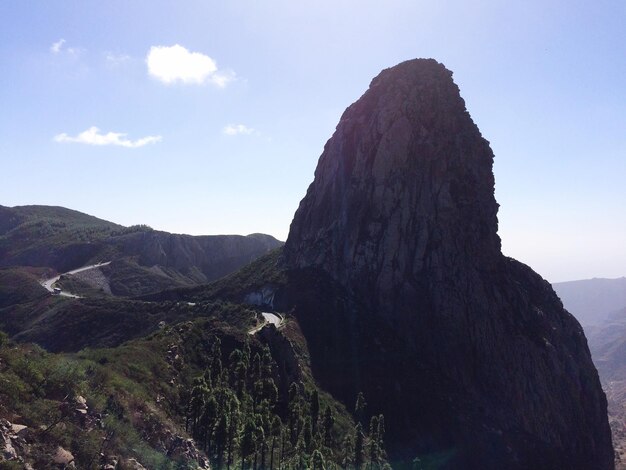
(247, 401)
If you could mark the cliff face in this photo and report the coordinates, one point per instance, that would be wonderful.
(470, 354)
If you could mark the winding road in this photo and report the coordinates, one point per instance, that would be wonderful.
(49, 283)
(273, 318)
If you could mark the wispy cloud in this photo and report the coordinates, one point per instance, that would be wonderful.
(115, 59)
(239, 129)
(59, 47)
(92, 136)
(177, 64)
(55, 48)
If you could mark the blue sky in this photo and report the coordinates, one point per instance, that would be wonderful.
(232, 134)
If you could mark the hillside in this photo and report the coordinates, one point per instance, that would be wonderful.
(144, 260)
(201, 394)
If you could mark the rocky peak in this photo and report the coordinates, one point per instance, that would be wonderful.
(404, 188)
(398, 283)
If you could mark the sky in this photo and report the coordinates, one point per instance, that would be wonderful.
(208, 117)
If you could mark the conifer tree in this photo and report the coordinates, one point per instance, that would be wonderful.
(255, 371)
(315, 409)
(348, 451)
(374, 449)
(215, 361)
(307, 435)
(329, 422)
(317, 461)
(359, 407)
(233, 429)
(359, 447)
(266, 363)
(221, 438)
(247, 447)
(207, 421)
(381, 436)
(276, 430)
(196, 405)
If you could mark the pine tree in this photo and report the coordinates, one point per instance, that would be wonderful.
(315, 409)
(348, 451)
(381, 436)
(329, 422)
(221, 438)
(374, 448)
(247, 447)
(246, 352)
(266, 363)
(239, 371)
(359, 407)
(196, 406)
(296, 420)
(359, 447)
(255, 370)
(307, 435)
(317, 461)
(215, 361)
(259, 442)
(276, 431)
(233, 430)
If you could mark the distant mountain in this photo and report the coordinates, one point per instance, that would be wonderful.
(600, 306)
(592, 300)
(144, 260)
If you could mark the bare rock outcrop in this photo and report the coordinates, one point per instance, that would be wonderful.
(403, 292)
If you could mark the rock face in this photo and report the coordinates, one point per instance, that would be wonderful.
(402, 292)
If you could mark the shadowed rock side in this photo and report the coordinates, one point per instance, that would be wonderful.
(398, 282)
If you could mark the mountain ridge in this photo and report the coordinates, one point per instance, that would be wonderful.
(64, 239)
(592, 300)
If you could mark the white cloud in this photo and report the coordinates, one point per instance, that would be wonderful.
(176, 63)
(59, 47)
(55, 48)
(239, 129)
(92, 136)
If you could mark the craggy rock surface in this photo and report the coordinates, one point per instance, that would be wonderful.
(400, 287)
